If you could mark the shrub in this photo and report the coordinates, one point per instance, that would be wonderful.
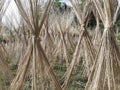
(118, 36)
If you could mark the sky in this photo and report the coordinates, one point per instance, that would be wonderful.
(13, 8)
(119, 2)
(12, 11)
(66, 1)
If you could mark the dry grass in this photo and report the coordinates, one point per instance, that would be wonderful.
(49, 50)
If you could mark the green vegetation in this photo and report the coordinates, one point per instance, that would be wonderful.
(57, 3)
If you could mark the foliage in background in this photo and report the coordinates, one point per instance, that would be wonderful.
(57, 3)
(118, 36)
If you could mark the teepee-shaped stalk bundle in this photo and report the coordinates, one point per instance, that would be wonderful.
(46, 36)
(63, 42)
(35, 58)
(106, 71)
(98, 31)
(46, 39)
(3, 54)
(117, 12)
(82, 16)
(2, 12)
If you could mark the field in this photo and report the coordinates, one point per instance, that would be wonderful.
(51, 45)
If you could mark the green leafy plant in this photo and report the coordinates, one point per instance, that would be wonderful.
(118, 36)
(57, 3)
